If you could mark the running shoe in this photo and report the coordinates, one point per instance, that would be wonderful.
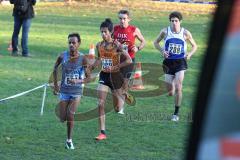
(69, 145)
(101, 136)
(130, 99)
(175, 118)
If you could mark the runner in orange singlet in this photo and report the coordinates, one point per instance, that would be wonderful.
(109, 52)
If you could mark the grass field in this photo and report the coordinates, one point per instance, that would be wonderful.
(144, 132)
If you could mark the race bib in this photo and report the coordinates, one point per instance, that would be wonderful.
(69, 77)
(174, 48)
(106, 63)
(125, 47)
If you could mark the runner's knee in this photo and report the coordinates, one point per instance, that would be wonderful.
(101, 104)
(171, 93)
(62, 118)
(179, 88)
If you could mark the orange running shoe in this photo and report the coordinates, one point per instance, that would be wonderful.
(101, 136)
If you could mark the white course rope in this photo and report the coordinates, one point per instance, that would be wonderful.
(38, 87)
(43, 100)
(28, 91)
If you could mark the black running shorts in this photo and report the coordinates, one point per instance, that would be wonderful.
(128, 70)
(112, 80)
(172, 66)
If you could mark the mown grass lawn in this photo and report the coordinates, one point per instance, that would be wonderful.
(144, 132)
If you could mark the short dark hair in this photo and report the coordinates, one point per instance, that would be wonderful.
(108, 24)
(175, 14)
(75, 35)
(124, 11)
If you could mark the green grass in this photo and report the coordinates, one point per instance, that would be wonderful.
(144, 132)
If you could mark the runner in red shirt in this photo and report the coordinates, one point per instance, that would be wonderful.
(126, 35)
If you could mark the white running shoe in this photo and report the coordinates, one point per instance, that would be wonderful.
(69, 145)
(175, 118)
(121, 111)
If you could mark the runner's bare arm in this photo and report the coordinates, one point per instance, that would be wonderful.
(157, 41)
(87, 70)
(97, 61)
(189, 38)
(126, 56)
(140, 37)
(55, 73)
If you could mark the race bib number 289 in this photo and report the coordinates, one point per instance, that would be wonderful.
(174, 48)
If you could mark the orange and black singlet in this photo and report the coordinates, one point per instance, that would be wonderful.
(109, 55)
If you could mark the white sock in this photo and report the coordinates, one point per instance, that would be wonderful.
(69, 140)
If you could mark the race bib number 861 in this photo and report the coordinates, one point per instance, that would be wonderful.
(69, 77)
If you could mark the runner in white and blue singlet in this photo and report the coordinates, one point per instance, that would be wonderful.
(175, 44)
(175, 54)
